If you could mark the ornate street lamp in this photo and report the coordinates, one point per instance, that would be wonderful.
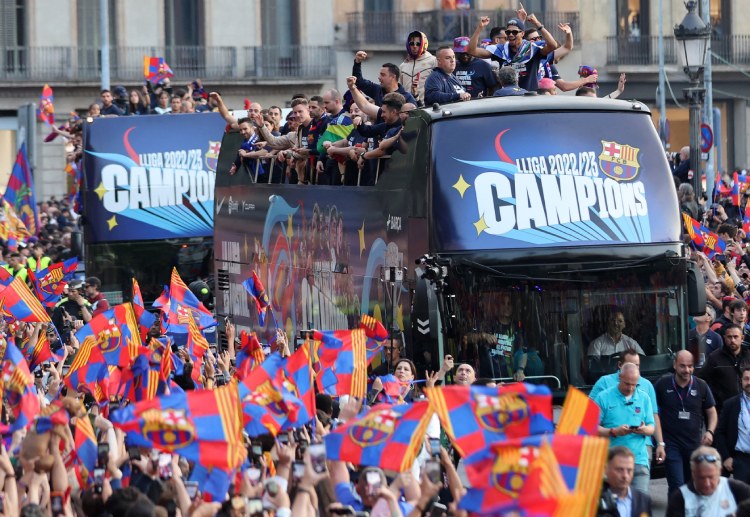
(692, 36)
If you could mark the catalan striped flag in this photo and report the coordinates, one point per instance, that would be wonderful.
(580, 414)
(474, 417)
(255, 289)
(703, 238)
(388, 437)
(197, 346)
(41, 352)
(181, 305)
(203, 426)
(155, 69)
(21, 304)
(342, 355)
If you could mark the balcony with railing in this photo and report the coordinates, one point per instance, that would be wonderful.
(81, 64)
(391, 28)
(733, 49)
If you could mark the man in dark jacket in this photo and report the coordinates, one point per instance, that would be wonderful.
(722, 368)
(682, 170)
(508, 79)
(733, 432)
(388, 77)
(617, 495)
(442, 86)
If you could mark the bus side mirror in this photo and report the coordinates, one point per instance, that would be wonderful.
(696, 290)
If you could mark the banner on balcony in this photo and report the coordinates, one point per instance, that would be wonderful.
(150, 177)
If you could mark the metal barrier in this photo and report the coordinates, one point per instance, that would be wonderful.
(532, 377)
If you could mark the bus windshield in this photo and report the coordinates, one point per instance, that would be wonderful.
(568, 326)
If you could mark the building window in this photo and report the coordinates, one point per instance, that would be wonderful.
(280, 20)
(14, 54)
(89, 40)
(721, 22)
(632, 19)
(183, 36)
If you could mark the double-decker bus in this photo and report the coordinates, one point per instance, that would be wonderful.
(544, 215)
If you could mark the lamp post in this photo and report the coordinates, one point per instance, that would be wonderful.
(692, 35)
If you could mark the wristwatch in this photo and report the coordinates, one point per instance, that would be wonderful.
(661, 444)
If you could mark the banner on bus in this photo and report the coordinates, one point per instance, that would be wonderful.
(552, 180)
(151, 177)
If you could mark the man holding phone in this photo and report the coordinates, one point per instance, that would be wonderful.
(627, 418)
(371, 486)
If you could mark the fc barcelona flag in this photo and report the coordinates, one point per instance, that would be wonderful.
(155, 69)
(343, 362)
(255, 289)
(500, 474)
(580, 414)
(116, 333)
(88, 372)
(703, 238)
(388, 437)
(86, 445)
(46, 109)
(180, 304)
(21, 196)
(41, 352)
(21, 304)
(474, 417)
(17, 385)
(204, 426)
(250, 354)
(49, 283)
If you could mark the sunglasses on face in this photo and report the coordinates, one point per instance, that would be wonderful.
(535, 39)
(512, 33)
(707, 458)
(415, 43)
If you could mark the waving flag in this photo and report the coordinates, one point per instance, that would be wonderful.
(46, 109)
(255, 289)
(580, 414)
(49, 283)
(266, 404)
(197, 347)
(88, 372)
(250, 354)
(145, 319)
(393, 389)
(703, 238)
(373, 328)
(20, 193)
(388, 437)
(17, 386)
(116, 333)
(73, 169)
(182, 305)
(214, 482)
(41, 352)
(204, 426)
(474, 417)
(502, 474)
(343, 362)
(21, 304)
(86, 445)
(155, 69)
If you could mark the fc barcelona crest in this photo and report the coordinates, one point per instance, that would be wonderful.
(49, 282)
(212, 155)
(375, 428)
(168, 429)
(511, 468)
(495, 413)
(619, 161)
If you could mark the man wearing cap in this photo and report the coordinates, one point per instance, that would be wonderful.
(97, 300)
(442, 86)
(547, 87)
(74, 309)
(475, 75)
(524, 56)
(509, 83)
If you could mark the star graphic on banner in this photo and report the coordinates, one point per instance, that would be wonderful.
(112, 222)
(461, 185)
(361, 232)
(480, 225)
(100, 191)
(289, 229)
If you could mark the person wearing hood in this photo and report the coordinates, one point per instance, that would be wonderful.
(418, 65)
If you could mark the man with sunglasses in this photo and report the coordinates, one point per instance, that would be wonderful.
(708, 493)
(524, 56)
(418, 65)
